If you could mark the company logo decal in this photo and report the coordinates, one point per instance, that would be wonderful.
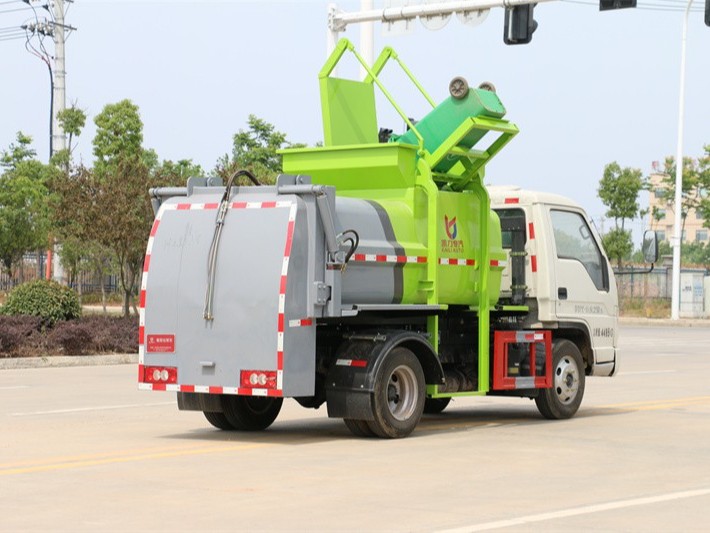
(451, 229)
(452, 245)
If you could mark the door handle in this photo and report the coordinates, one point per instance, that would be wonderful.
(562, 293)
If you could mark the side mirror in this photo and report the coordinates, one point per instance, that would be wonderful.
(649, 248)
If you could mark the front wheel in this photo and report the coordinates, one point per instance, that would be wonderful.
(250, 413)
(564, 397)
(398, 399)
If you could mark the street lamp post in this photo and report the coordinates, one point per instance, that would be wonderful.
(677, 232)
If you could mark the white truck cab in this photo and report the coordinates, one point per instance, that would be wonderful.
(568, 282)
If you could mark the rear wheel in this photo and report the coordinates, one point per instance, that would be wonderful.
(359, 428)
(250, 413)
(434, 406)
(564, 397)
(218, 420)
(398, 399)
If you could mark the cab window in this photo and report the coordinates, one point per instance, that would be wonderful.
(574, 240)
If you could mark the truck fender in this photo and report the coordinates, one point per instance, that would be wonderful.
(350, 383)
(578, 333)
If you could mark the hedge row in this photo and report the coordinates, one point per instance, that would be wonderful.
(28, 336)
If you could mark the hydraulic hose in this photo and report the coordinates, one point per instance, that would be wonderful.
(214, 246)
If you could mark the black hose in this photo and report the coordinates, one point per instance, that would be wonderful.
(233, 178)
(354, 243)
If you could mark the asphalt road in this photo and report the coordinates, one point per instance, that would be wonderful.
(82, 450)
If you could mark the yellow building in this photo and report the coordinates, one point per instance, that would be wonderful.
(693, 231)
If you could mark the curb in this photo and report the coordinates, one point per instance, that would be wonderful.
(17, 363)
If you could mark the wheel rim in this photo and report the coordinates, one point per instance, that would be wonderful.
(566, 380)
(402, 392)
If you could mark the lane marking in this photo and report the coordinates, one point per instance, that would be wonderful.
(645, 372)
(128, 459)
(576, 511)
(87, 409)
(43, 461)
(660, 402)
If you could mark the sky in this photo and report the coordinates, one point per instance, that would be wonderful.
(592, 87)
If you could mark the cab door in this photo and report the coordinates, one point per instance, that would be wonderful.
(586, 291)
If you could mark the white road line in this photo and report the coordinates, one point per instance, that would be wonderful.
(576, 511)
(644, 372)
(85, 409)
(15, 387)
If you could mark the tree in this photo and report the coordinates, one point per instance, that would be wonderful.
(618, 244)
(618, 190)
(18, 152)
(703, 208)
(107, 207)
(692, 187)
(255, 150)
(176, 173)
(72, 120)
(24, 222)
(696, 253)
(119, 135)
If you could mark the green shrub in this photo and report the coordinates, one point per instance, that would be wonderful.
(46, 299)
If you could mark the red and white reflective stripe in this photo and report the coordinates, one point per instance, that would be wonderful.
(528, 336)
(282, 290)
(498, 263)
(359, 363)
(456, 262)
(381, 258)
(206, 389)
(215, 205)
(531, 230)
(303, 322)
(533, 263)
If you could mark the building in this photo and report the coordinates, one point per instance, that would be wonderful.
(661, 215)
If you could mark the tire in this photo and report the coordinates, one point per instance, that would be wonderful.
(564, 397)
(434, 406)
(359, 428)
(398, 398)
(218, 420)
(250, 413)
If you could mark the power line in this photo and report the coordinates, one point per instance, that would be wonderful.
(14, 10)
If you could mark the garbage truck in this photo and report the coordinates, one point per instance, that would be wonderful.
(379, 276)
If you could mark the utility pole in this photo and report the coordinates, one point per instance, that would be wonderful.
(59, 140)
(57, 29)
(59, 96)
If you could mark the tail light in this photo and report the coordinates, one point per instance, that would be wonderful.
(159, 374)
(258, 379)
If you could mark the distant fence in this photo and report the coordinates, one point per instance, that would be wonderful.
(33, 267)
(657, 284)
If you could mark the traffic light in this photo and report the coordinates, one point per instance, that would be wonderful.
(606, 5)
(520, 24)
